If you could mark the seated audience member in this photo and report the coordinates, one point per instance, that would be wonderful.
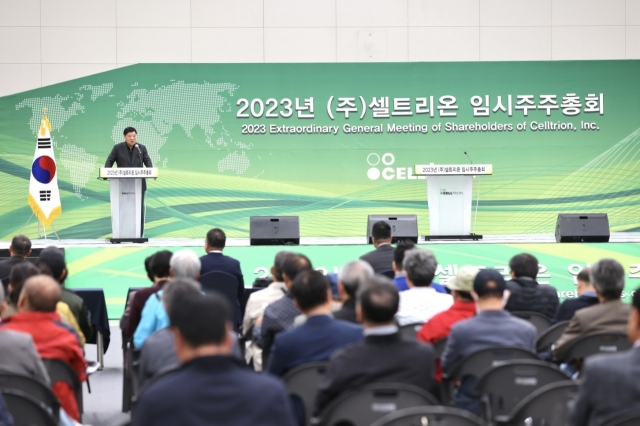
(210, 387)
(37, 316)
(19, 274)
(19, 249)
(492, 326)
(183, 264)
(157, 353)
(381, 258)
(214, 260)
(351, 276)
(279, 315)
(384, 356)
(586, 297)
(400, 278)
(525, 293)
(464, 307)
(124, 319)
(256, 304)
(52, 261)
(610, 315)
(609, 385)
(421, 301)
(159, 266)
(320, 335)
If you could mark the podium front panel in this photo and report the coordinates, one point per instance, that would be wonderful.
(449, 199)
(126, 207)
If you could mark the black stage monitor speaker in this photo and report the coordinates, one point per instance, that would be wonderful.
(403, 227)
(274, 230)
(582, 228)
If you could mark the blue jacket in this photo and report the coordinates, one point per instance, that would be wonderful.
(219, 262)
(401, 282)
(315, 340)
(153, 318)
(214, 390)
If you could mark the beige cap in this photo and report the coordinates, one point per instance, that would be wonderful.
(464, 280)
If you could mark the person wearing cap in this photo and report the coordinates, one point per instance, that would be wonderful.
(439, 326)
(492, 326)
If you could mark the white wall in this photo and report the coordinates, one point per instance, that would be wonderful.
(44, 42)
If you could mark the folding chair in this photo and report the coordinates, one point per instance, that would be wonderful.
(26, 410)
(550, 336)
(366, 405)
(60, 371)
(302, 383)
(597, 343)
(632, 419)
(437, 416)
(438, 348)
(410, 330)
(33, 387)
(540, 322)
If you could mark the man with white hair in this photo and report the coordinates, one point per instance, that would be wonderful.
(421, 301)
(183, 264)
(351, 276)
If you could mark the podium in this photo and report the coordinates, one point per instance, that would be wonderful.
(125, 186)
(449, 194)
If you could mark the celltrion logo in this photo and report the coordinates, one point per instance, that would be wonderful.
(445, 192)
(381, 166)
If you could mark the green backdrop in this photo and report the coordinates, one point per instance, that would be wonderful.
(563, 137)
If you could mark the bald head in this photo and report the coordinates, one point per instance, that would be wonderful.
(40, 293)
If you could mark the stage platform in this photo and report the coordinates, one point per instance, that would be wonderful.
(117, 267)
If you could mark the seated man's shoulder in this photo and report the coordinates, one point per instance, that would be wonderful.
(610, 363)
(347, 326)
(416, 346)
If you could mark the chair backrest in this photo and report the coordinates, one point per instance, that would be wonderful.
(435, 416)
(302, 382)
(410, 330)
(632, 419)
(26, 410)
(60, 371)
(389, 274)
(598, 343)
(35, 388)
(540, 322)
(544, 406)
(368, 404)
(226, 284)
(550, 336)
(502, 387)
(438, 348)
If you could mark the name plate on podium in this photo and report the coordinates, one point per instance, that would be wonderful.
(453, 169)
(128, 172)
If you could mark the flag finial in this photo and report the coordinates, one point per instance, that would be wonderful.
(44, 111)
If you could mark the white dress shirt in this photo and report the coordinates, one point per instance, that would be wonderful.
(419, 304)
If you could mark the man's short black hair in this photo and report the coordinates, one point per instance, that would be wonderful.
(21, 245)
(159, 266)
(294, 264)
(147, 267)
(216, 238)
(201, 318)
(310, 289)
(524, 265)
(51, 262)
(635, 301)
(583, 276)
(129, 130)
(379, 300)
(398, 253)
(19, 274)
(381, 231)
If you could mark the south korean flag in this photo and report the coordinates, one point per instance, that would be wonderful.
(44, 196)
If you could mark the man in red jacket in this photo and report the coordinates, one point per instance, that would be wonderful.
(439, 326)
(54, 340)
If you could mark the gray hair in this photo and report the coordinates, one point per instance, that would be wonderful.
(353, 274)
(278, 264)
(607, 276)
(185, 263)
(420, 266)
(178, 286)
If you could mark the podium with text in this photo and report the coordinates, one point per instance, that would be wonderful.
(450, 198)
(125, 185)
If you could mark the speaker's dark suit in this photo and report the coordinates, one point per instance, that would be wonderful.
(216, 261)
(380, 259)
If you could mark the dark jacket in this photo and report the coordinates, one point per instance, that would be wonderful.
(380, 259)
(315, 340)
(5, 268)
(79, 310)
(123, 157)
(137, 304)
(219, 262)
(348, 311)
(377, 359)
(528, 295)
(214, 390)
(568, 308)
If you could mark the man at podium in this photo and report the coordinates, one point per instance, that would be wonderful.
(131, 154)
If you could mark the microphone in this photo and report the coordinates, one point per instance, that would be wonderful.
(140, 152)
(465, 153)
